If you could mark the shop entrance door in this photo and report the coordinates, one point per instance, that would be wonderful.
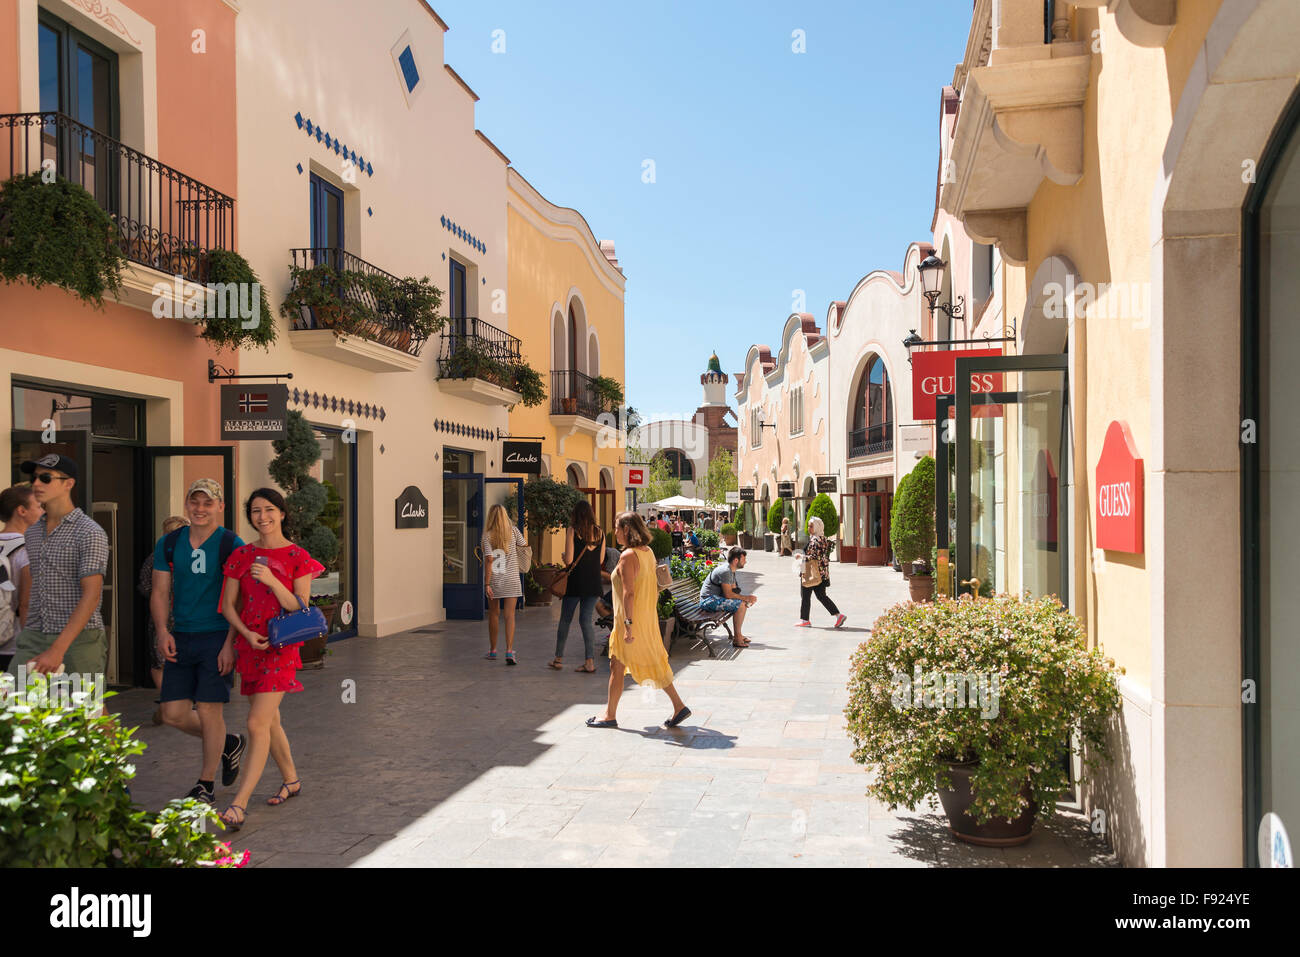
(462, 533)
(163, 475)
(872, 509)
(602, 504)
(1012, 477)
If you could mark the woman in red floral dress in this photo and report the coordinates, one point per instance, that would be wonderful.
(265, 578)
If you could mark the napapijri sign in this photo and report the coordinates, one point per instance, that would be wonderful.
(521, 457)
(254, 412)
(412, 509)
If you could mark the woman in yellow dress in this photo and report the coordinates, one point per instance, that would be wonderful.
(636, 644)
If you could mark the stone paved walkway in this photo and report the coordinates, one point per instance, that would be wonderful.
(448, 759)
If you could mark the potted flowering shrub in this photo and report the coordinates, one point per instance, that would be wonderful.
(977, 699)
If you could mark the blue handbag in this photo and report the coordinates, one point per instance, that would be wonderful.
(294, 627)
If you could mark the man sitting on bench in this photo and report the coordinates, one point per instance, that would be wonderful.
(721, 593)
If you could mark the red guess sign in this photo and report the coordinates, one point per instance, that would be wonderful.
(933, 374)
(1119, 492)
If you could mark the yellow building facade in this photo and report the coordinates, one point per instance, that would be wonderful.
(565, 300)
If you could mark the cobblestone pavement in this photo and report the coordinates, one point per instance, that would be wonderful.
(448, 759)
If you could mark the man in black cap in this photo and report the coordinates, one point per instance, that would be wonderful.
(68, 552)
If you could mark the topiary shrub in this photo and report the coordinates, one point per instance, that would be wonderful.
(911, 521)
(728, 529)
(56, 233)
(305, 497)
(63, 792)
(548, 507)
(774, 516)
(661, 543)
(822, 507)
(1000, 681)
(707, 537)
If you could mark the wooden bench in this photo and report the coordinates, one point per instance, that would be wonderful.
(692, 622)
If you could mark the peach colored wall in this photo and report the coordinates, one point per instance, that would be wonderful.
(8, 56)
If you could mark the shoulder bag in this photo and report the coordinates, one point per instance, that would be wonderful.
(294, 627)
(560, 585)
(523, 553)
(811, 575)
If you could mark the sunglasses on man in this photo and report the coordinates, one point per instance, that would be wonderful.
(47, 477)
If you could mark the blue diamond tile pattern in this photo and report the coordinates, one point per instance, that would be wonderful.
(333, 142)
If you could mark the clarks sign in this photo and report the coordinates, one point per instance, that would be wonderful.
(412, 509)
(1118, 492)
(521, 457)
(934, 374)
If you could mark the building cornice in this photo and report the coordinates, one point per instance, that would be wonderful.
(562, 223)
(463, 85)
(492, 146)
(434, 13)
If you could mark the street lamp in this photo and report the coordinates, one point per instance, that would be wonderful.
(931, 271)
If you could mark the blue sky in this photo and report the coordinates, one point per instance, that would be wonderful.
(774, 171)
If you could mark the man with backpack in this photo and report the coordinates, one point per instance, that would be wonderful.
(187, 580)
(19, 510)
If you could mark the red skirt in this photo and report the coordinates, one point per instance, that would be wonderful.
(275, 669)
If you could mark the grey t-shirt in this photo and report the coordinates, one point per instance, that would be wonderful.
(721, 575)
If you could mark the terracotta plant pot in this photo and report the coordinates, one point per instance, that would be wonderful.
(729, 539)
(921, 587)
(994, 833)
(544, 577)
(666, 627)
(569, 405)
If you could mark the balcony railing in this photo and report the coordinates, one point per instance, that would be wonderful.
(872, 440)
(166, 220)
(473, 336)
(382, 323)
(571, 395)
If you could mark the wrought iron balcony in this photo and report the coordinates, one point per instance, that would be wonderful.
(165, 219)
(571, 394)
(367, 301)
(467, 342)
(872, 440)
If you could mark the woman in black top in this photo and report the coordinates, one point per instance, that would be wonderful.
(585, 541)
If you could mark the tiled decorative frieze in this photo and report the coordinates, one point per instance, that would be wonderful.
(331, 403)
(468, 431)
(463, 234)
(332, 142)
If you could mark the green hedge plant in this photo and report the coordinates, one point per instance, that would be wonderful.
(911, 521)
(822, 507)
(57, 233)
(64, 800)
(661, 543)
(774, 516)
(1040, 685)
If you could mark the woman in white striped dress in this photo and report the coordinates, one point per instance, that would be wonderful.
(501, 543)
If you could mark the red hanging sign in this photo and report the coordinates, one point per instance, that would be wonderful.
(933, 374)
(1119, 492)
(637, 477)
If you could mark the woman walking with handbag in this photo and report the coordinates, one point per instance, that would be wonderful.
(816, 576)
(637, 644)
(584, 551)
(263, 579)
(502, 544)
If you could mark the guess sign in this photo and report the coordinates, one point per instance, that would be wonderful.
(933, 374)
(637, 476)
(1119, 492)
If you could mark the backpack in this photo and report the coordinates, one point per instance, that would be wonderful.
(224, 550)
(8, 605)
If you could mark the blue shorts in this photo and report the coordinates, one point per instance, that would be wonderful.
(714, 603)
(193, 676)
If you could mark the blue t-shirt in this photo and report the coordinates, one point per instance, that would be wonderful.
(196, 584)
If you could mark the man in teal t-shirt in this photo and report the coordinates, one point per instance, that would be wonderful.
(199, 650)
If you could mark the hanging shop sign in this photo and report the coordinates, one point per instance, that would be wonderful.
(638, 476)
(1118, 492)
(747, 493)
(254, 412)
(785, 489)
(933, 374)
(412, 509)
(733, 498)
(828, 483)
(521, 457)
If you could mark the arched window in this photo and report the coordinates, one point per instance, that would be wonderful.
(571, 476)
(573, 340)
(872, 414)
(679, 466)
